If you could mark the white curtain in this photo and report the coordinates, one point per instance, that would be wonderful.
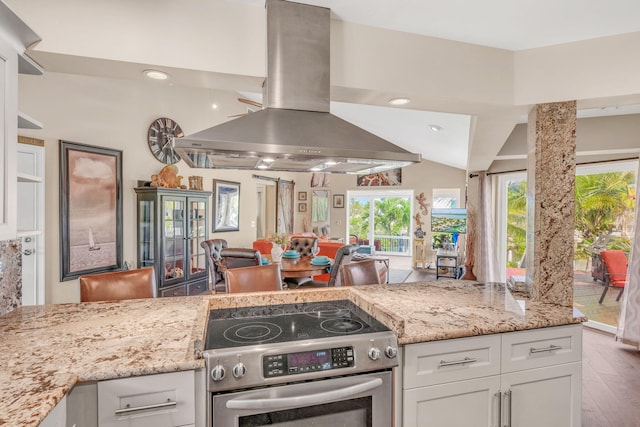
(629, 324)
(486, 263)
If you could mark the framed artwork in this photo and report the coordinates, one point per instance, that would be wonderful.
(302, 196)
(91, 210)
(389, 178)
(338, 200)
(226, 206)
(302, 207)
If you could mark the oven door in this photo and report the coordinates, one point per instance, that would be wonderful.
(355, 401)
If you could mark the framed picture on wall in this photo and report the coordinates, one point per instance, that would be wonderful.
(226, 206)
(338, 200)
(302, 196)
(91, 210)
(302, 207)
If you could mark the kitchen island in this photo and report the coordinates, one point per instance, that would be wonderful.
(48, 349)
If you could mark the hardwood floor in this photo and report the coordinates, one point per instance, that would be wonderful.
(610, 382)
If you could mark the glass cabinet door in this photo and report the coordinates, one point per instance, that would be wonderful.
(197, 235)
(173, 211)
(146, 230)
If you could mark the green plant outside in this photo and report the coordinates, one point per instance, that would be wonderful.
(603, 205)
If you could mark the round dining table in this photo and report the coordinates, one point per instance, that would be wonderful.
(301, 267)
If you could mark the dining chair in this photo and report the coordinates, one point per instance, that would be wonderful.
(342, 256)
(360, 273)
(212, 250)
(304, 245)
(254, 278)
(615, 271)
(118, 285)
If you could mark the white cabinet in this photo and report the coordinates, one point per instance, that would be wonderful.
(520, 379)
(549, 396)
(471, 403)
(162, 400)
(15, 37)
(58, 415)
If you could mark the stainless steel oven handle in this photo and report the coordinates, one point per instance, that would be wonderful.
(304, 400)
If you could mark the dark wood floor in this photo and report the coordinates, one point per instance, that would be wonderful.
(610, 382)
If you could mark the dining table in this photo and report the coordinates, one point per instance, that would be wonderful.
(301, 267)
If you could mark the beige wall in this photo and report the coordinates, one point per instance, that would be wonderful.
(81, 109)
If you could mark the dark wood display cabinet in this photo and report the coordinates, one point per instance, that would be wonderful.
(172, 223)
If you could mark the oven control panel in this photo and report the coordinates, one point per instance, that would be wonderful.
(277, 365)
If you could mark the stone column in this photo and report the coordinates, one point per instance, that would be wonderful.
(551, 172)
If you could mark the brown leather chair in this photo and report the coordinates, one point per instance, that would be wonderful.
(254, 279)
(118, 285)
(212, 250)
(239, 257)
(360, 273)
(343, 256)
(304, 244)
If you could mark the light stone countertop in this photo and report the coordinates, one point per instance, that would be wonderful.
(47, 349)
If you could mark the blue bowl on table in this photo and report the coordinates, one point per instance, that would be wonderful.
(291, 254)
(320, 260)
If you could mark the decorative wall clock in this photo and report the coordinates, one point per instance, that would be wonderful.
(161, 136)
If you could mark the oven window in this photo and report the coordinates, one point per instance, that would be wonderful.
(351, 413)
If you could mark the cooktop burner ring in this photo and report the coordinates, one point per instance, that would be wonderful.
(326, 310)
(253, 332)
(341, 325)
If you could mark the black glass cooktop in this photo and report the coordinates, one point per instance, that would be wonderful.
(245, 326)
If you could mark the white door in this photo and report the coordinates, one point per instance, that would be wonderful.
(31, 221)
(549, 397)
(471, 403)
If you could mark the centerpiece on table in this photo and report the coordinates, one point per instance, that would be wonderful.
(278, 244)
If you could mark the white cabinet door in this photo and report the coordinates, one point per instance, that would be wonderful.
(58, 415)
(8, 138)
(472, 403)
(549, 397)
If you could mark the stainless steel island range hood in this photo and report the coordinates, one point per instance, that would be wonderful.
(295, 131)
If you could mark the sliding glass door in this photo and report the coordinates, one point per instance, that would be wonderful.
(381, 219)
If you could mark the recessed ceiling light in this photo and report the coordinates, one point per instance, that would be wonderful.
(268, 160)
(435, 128)
(263, 166)
(331, 163)
(214, 106)
(315, 169)
(399, 101)
(156, 75)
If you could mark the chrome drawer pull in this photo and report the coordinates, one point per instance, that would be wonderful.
(129, 410)
(458, 362)
(545, 349)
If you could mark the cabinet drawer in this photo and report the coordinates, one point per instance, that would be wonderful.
(541, 347)
(178, 291)
(163, 400)
(451, 360)
(198, 287)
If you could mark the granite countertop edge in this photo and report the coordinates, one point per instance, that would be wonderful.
(40, 380)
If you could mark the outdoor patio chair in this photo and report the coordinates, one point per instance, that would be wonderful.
(615, 271)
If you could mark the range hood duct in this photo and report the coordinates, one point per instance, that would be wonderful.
(294, 131)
